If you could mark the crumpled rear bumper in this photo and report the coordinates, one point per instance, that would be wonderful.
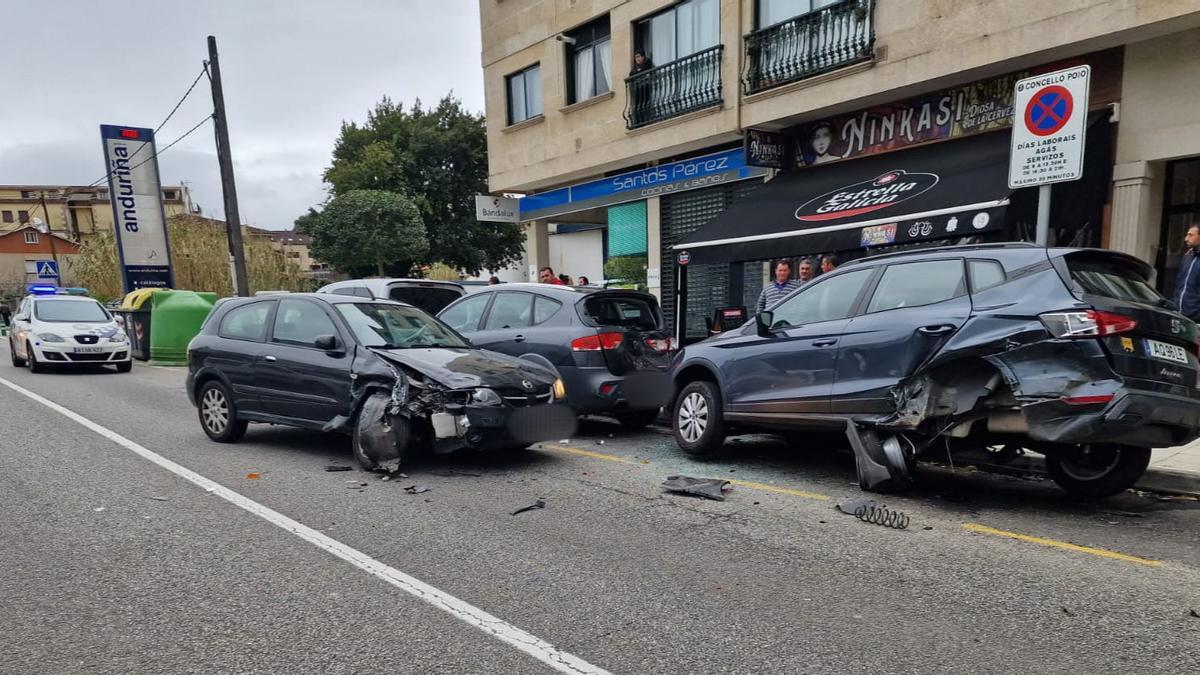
(1133, 417)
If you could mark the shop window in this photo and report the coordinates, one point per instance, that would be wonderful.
(627, 229)
(589, 61)
(1180, 211)
(525, 94)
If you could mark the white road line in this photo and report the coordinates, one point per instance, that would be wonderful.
(539, 649)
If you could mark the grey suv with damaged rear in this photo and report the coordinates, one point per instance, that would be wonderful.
(388, 373)
(1067, 352)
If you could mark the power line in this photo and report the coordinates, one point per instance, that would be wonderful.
(202, 73)
(157, 153)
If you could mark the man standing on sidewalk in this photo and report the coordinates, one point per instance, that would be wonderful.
(1187, 284)
(778, 289)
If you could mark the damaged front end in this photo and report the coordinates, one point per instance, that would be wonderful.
(410, 410)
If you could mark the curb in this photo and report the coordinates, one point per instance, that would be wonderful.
(1166, 481)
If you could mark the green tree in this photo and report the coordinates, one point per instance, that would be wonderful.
(367, 232)
(438, 157)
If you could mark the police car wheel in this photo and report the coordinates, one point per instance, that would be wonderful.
(12, 352)
(218, 416)
(31, 360)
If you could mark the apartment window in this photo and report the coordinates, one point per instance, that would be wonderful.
(8, 216)
(31, 237)
(102, 194)
(525, 94)
(589, 61)
(23, 216)
(771, 12)
(683, 30)
(170, 194)
(26, 194)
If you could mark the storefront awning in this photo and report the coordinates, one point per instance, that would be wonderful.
(943, 190)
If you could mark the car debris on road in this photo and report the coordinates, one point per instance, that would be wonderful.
(539, 504)
(709, 488)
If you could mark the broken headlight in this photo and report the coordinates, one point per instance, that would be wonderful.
(485, 396)
(560, 390)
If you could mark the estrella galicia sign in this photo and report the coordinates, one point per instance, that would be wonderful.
(882, 192)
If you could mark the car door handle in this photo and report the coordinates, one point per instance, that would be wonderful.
(824, 343)
(518, 338)
(270, 358)
(935, 330)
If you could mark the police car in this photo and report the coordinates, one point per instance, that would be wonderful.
(61, 330)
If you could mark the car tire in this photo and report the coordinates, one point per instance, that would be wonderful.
(398, 429)
(638, 420)
(218, 414)
(697, 419)
(124, 366)
(12, 352)
(1100, 475)
(31, 360)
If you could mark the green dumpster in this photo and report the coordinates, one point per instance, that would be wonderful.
(175, 318)
(135, 317)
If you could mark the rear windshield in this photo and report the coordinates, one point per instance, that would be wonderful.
(1111, 278)
(624, 311)
(432, 299)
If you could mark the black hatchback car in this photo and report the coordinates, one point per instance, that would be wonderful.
(608, 345)
(386, 372)
(1067, 352)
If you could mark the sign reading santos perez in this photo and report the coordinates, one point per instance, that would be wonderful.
(135, 192)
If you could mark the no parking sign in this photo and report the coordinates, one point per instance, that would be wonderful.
(1048, 132)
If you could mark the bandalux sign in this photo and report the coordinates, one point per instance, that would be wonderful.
(139, 221)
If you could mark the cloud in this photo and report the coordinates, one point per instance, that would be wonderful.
(293, 71)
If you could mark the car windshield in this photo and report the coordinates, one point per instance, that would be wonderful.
(396, 327)
(70, 310)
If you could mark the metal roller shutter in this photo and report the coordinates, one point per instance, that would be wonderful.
(708, 285)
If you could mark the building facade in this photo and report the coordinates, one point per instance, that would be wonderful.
(73, 210)
(634, 127)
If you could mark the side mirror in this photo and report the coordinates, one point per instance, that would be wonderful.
(763, 321)
(328, 343)
(21, 317)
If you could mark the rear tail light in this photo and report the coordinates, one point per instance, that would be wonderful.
(595, 343)
(1088, 400)
(664, 345)
(1091, 323)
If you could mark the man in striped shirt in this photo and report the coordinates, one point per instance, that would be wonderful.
(779, 288)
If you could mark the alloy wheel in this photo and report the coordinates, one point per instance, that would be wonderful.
(693, 417)
(1091, 462)
(216, 411)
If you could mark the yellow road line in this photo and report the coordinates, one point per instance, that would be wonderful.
(1066, 546)
(786, 491)
(744, 483)
(587, 453)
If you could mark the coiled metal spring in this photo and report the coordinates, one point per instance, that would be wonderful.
(881, 515)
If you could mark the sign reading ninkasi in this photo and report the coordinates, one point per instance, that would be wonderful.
(139, 221)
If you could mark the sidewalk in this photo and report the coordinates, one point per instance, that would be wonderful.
(1174, 470)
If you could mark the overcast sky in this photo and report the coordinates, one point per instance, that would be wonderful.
(293, 70)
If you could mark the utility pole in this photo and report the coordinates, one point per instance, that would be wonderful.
(233, 221)
(50, 233)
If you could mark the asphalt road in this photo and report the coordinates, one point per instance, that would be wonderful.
(112, 563)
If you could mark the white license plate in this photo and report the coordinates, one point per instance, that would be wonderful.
(1162, 350)
(88, 350)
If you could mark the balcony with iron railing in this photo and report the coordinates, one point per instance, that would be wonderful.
(810, 44)
(682, 86)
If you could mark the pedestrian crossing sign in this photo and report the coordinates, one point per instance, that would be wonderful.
(47, 269)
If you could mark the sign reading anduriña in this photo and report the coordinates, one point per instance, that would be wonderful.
(689, 174)
(139, 222)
